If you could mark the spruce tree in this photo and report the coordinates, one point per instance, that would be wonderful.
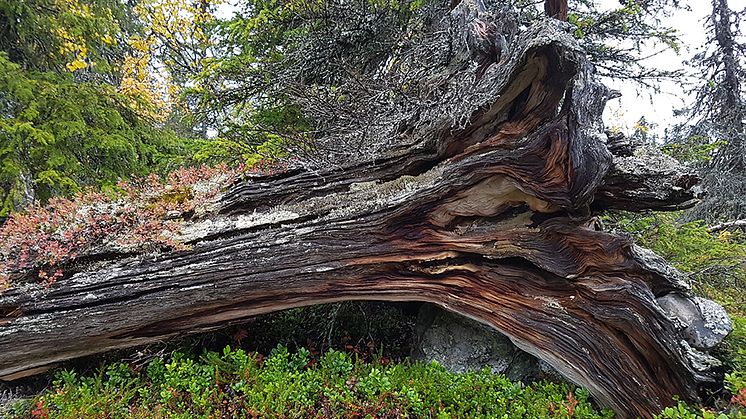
(716, 117)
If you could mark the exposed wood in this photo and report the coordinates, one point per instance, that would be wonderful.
(556, 9)
(490, 219)
(725, 226)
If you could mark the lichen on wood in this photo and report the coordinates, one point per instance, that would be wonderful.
(479, 199)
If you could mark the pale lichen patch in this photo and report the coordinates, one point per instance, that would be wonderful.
(198, 230)
(361, 186)
(368, 196)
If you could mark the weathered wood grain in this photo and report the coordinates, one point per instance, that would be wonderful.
(492, 220)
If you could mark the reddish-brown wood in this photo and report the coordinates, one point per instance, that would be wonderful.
(492, 219)
(556, 9)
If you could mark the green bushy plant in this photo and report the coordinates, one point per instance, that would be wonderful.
(736, 348)
(682, 411)
(714, 261)
(235, 383)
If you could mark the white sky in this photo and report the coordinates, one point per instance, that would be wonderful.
(658, 107)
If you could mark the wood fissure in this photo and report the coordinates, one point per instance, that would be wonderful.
(492, 220)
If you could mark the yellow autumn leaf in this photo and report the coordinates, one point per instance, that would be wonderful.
(139, 44)
(77, 64)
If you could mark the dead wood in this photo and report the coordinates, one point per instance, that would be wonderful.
(490, 217)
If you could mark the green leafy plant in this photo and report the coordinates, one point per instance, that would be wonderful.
(235, 383)
(682, 411)
(736, 350)
(714, 261)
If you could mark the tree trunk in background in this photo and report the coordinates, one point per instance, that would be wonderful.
(492, 219)
(556, 9)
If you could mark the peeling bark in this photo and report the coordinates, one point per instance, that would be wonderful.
(492, 220)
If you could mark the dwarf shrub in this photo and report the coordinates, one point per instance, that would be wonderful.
(295, 385)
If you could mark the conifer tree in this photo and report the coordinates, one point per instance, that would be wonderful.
(67, 119)
(58, 136)
(717, 116)
(619, 39)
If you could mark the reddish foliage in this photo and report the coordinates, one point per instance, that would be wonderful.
(572, 403)
(239, 336)
(40, 410)
(740, 398)
(566, 407)
(141, 218)
(268, 167)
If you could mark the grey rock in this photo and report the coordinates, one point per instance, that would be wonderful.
(702, 363)
(461, 345)
(715, 325)
(704, 322)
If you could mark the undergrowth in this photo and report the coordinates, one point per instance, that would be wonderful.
(240, 384)
(135, 217)
(715, 263)
(235, 383)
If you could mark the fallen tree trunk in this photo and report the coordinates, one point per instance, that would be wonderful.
(492, 220)
(725, 226)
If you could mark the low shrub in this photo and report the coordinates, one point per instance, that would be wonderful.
(683, 411)
(736, 355)
(235, 383)
(138, 216)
